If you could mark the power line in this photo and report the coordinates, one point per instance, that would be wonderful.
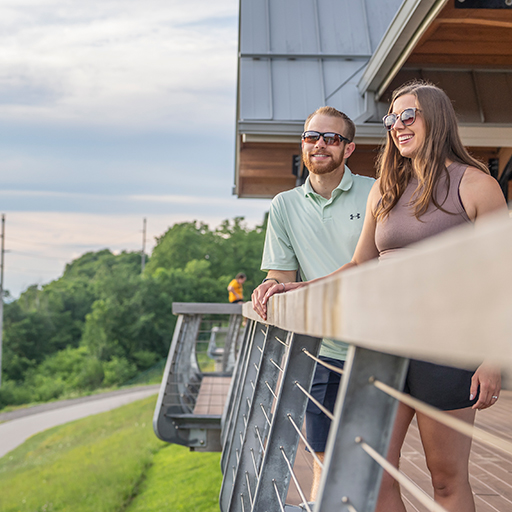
(28, 255)
(143, 253)
(2, 292)
(31, 271)
(46, 244)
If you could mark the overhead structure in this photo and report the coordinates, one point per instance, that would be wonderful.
(298, 55)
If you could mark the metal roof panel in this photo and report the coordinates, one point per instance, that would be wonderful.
(298, 88)
(255, 89)
(294, 27)
(297, 55)
(254, 27)
(316, 27)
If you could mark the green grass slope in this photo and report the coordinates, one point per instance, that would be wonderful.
(101, 463)
(181, 481)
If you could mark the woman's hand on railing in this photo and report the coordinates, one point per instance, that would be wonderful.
(488, 378)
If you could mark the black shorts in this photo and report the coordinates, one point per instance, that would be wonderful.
(324, 389)
(444, 387)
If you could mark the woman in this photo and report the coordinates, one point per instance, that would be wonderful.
(428, 183)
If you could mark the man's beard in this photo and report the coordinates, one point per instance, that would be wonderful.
(323, 168)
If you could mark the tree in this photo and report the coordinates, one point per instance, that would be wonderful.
(181, 243)
(102, 321)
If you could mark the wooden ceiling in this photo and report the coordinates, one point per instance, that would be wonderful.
(467, 38)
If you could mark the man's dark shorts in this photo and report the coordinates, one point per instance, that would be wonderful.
(324, 389)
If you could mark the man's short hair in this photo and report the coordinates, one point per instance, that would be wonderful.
(240, 275)
(350, 127)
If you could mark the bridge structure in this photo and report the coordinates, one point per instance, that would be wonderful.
(448, 300)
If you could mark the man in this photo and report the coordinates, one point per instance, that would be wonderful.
(235, 288)
(315, 228)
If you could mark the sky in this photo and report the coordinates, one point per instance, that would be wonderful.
(112, 111)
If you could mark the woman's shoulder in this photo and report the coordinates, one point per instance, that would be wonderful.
(474, 177)
(375, 195)
(375, 190)
(480, 193)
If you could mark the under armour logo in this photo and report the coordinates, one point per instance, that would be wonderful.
(355, 216)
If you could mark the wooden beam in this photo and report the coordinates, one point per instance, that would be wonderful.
(455, 48)
(474, 21)
(205, 308)
(461, 61)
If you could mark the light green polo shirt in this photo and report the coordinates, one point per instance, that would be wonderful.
(315, 234)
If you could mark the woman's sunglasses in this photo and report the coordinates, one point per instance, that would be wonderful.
(407, 116)
(330, 138)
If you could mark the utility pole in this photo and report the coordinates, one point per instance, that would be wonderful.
(143, 253)
(2, 292)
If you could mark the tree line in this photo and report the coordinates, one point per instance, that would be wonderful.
(104, 321)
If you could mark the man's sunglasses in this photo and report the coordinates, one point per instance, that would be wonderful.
(407, 116)
(330, 138)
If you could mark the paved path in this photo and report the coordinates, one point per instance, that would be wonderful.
(24, 423)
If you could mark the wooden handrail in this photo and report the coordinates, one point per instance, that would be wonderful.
(446, 300)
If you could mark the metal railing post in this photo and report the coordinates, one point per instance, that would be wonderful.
(172, 388)
(236, 379)
(245, 449)
(238, 383)
(291, 402)
(350, 477)
(228, 357)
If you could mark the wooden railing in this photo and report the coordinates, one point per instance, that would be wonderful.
(446, 300)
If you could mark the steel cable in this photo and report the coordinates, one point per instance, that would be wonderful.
(434, 413)
(278, 497)
(323, 363)
(328, 413)
(403, 480)
(295, 481)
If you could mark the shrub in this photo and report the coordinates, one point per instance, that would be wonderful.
(91, 376)
(145, 359)
(44, 388)
(117, 371)
(13, 394)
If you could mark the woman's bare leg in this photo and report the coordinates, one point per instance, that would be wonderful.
(390, 499)
(447, 454)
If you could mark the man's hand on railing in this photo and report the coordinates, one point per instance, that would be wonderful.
(257, 298)
(265, 290)
(274, 277)
(262, 299)
(488, 378)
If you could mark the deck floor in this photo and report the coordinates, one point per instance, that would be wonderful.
(490, 468)
(212, 395)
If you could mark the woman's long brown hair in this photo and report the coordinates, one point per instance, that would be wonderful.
(442, 142)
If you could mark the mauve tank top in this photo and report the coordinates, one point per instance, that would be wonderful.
(401, 228)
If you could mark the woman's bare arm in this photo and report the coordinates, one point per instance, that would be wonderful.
(365, 250)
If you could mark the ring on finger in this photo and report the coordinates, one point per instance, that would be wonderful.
(495, 397)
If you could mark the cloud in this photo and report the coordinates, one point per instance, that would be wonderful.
(84, 63)
(112, 111)
(190, 206)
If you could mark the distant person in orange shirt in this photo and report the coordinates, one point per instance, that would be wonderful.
(236, 289)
